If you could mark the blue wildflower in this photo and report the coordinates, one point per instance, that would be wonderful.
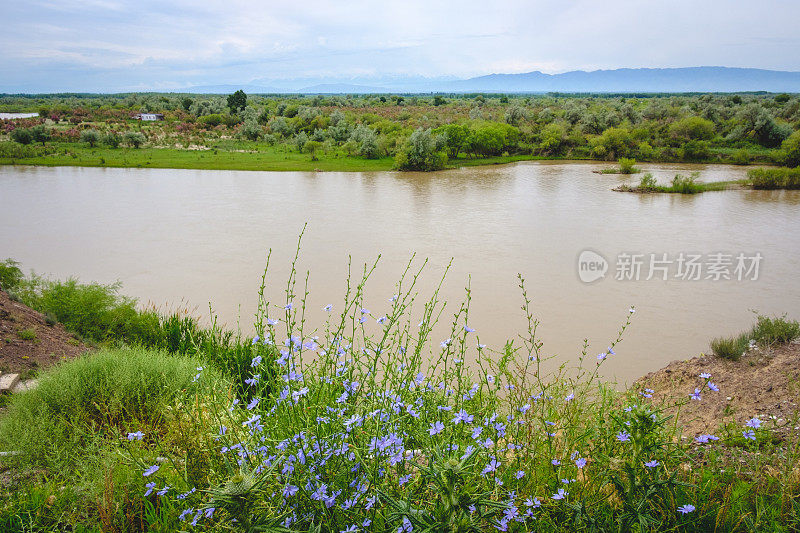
(436, 427)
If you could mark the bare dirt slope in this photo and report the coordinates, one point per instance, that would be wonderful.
(28, 342)
(763, 383)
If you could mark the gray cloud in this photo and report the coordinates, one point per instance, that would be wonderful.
(123, 44)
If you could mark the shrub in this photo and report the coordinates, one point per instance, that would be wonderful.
(740, 157)
(134, 139)
(10, 274)
(91, 137)
(790, 149)
(422, 151)
(775, 178)
(686, 184)
(648, 182)
(626, 166)
(213, 120)
(28, 334)
(22, 136)
(693, 129)
(730, 347)
(112, 139)
(777, 330)
(10, 150)
(695, 150)
(92, 310)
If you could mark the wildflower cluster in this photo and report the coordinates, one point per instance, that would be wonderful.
(367, 425)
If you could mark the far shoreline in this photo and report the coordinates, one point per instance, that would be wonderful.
(169, 158)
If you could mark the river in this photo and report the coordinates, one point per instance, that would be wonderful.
(184, 238)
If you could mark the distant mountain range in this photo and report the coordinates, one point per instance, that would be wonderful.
(625, 80)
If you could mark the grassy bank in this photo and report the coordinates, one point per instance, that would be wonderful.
(681, 185)
(367, 423)
(265, 158)
(378, 132)
(775, 178)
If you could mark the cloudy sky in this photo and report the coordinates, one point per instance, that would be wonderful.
(115, 45)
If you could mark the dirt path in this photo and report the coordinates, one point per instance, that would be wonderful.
(28, 343)
(763, 383)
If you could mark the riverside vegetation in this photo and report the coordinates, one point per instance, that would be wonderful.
(407, 132)
(363, 423)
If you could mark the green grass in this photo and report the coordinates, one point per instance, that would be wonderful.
(98, 313)
(256, 157)
(680, 185)
(775, 330)
(28, 334)
(102, 395)
(93, 311)
(775, 178)
(626, 166)
(267, 158)
(767, 331)
(730, 347)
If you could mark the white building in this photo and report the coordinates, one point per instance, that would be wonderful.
(149, 116)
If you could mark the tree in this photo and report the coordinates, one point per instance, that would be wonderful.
(251, 129)
(112, 139)
(21, 135)
(312, 147)
(134, 139)
(186, 103)
(551, 139)
(367, 142)
(514, 115)
(91, 137)
(791, 150)
(422, 151)
(40, 134)
(693, 129)
(456, 137)
(237, 101)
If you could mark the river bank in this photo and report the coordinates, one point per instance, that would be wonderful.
(137, 429)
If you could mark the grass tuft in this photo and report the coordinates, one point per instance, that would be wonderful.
(730, 347)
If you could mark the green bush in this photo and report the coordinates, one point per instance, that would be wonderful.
(10, 274)
(92, 137)
(22, 136)
(730, 347)
(626, 166)
(134, 139)
(686, 184)
(112, 140)
(102, 395)
(775, 178)
(12, 150)
(777, 330)
(95, 311)
(648, 182)
(422, 151)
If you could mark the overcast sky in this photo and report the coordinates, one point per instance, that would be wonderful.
(102, 45)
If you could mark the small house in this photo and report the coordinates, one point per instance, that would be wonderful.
(149, 116)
